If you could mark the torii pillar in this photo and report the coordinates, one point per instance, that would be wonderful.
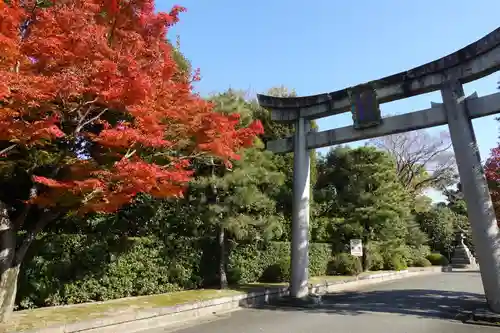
(300, 211)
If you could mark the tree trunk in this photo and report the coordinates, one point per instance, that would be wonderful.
(11, 256)
(222, 259)
(9, 269)
(8, 291)
(364, 258)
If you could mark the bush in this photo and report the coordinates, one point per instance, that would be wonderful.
(417, 254)
(75, 268)
(244, 265)
(437, 259)
(345, 264)
(421, 262)
(247, 262)
(396, 263)
(374, 260)
(396, 256)
(319, 256)
(374, 255)
(278, 272)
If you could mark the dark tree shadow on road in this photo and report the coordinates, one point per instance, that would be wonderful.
(411, 302)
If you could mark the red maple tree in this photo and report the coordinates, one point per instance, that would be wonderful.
(492, 172)
(95, 110)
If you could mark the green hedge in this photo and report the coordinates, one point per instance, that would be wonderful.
(76, 268)
(319, 257)
(249, 263)
(69, 269)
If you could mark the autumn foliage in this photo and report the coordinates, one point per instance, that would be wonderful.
(93, 83)
(492, 171)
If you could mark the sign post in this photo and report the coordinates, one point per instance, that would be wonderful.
(356, 247)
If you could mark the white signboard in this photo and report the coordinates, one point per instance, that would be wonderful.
(356, 247)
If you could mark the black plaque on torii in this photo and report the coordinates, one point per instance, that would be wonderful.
(364, 106)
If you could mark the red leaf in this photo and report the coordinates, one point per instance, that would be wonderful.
(108, 87)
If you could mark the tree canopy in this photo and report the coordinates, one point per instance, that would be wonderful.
(91, 119)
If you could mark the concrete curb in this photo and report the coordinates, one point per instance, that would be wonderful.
(166, 316)
(484, 315)
(348, 285)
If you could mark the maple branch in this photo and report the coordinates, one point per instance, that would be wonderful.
(22, 217)
(112, 32)
(129, 153)
(25, 31)
(30, 237)
(78, 108)
(91, 196)
(9, 148)
(34, 192)
(29, 21)
(85, 123)
(95, 118)
(194, 156)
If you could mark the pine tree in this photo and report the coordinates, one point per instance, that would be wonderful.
(238, 202)
(364, 197)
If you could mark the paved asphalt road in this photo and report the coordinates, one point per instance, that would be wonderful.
(419, 304)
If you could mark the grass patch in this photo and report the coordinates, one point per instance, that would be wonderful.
(330, 278)
(334, 278)
(258, 286)
(44, 317)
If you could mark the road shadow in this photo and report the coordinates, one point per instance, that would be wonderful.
(422, 303)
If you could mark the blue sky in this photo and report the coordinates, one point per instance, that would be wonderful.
(325, 45)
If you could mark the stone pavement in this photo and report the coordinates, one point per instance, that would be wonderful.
(418, 304)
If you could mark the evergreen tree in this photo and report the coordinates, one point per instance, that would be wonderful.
(237, 202)
(360, 191)
(441, 224)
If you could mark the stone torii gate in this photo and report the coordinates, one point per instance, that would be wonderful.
(446, 74)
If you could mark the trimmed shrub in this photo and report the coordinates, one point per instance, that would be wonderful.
(319, 256)
(252, 262)
(437, 259)
(278, 272)
(75, 268)
(247, 262)
(345, 264)
(396, 263)
(421, 262)
(244, 265)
